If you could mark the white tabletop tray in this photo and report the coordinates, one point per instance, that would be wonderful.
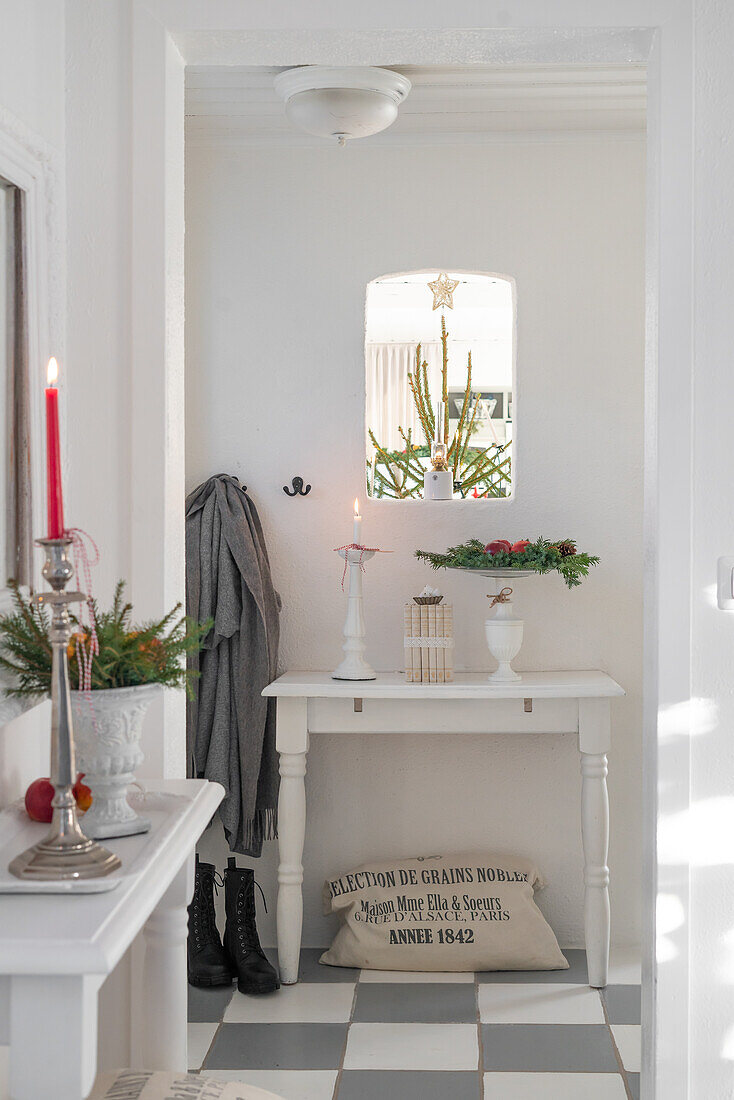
(18, 832)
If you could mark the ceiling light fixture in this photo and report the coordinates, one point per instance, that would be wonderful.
(341, 103)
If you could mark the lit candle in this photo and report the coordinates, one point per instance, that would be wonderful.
(357, 532)
(54, 493)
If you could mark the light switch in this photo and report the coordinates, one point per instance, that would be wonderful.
(725, 584)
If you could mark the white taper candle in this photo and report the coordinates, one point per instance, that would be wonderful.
(357, 530)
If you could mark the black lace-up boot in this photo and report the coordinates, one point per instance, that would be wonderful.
(208, 963)
(241, 941)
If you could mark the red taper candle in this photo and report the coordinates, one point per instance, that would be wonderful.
(54, 492)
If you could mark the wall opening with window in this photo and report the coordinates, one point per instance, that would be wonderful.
(439, 367)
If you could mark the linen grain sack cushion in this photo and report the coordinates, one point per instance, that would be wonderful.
(459, 912)
(129, 1084)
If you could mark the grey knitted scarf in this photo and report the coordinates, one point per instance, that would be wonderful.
(230, 727)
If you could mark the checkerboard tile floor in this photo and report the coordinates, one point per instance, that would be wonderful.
(373, 1035)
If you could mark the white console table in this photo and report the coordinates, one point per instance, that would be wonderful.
(542, 702)
(56, 949)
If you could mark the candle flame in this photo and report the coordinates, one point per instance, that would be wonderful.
(52, 372)
(356, 506)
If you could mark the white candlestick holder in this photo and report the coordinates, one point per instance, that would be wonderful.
(354, 666)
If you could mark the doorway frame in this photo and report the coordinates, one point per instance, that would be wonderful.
(168, 34)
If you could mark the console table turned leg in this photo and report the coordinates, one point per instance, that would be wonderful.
(292, 744)
(594, 737)
(165, 993)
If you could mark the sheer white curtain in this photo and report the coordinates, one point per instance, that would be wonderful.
(389, 399)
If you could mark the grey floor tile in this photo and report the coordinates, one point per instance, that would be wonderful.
(576, 974)
(206, 1006)
(548, 1048)
(398, 1003)
(622, 1003)
(311, 970)
(406, 1085)
(633, 1080)
(278, 1046)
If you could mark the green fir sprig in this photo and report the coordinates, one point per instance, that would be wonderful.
(129, 655)
(541, 556)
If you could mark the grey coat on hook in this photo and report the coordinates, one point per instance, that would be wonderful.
(230, 727)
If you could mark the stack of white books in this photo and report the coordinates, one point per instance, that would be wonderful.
(429, 641)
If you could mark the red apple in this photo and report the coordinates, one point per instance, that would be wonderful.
(39, 794)
(38, 799)
(520, 546)
(497, 547)
(82, 793)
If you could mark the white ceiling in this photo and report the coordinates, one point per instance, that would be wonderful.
(466, 103)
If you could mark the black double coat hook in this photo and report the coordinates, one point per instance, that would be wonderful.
(298, 489)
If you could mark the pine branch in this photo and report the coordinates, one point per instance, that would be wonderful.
(418, 383)
(445, 378)
(461, 426)
(33, 614)
(386, 462)
(484, 466)
(428, 403)
(414, 465)
(127, 657)
(470, 427)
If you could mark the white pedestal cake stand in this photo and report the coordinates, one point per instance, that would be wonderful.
(504, 632)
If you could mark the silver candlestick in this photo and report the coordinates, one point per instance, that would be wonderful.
(65, 852)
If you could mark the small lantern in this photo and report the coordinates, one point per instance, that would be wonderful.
(438, 482)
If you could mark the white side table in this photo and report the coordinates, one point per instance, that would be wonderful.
(542, 702)
(57, 949)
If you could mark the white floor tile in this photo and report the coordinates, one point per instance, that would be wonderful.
(412, 1046)
(628, 1038)
(200, 1039)
(624, 966)
(290, 1084)
(553, 1086)
(411, 977)
(307, 1002)
(539, 1004)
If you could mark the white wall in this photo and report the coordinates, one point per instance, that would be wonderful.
(104, 444)
(98, 300)
(32, 66)
(281, 243)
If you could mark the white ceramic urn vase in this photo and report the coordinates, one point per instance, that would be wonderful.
(107, 739)
(504, 638)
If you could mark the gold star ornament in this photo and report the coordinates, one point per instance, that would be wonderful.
(443, 291)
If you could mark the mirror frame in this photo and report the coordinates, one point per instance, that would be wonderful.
(32, 166)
